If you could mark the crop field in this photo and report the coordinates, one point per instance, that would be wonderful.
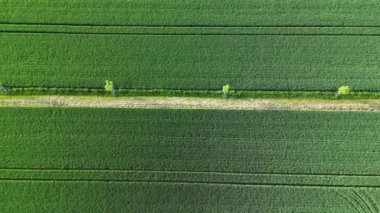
(188, 160)
(250, 62)
(197, 45)
(279, 107)
(195, 12)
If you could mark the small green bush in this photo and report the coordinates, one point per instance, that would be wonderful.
(226, 89)
(109, 87)
(344, 90)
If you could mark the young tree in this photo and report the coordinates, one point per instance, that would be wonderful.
(344, 90)
(226, 89)
(109, 87)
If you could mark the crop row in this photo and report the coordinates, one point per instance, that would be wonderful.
(191, 61)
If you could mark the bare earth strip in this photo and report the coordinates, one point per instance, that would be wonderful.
(190, 103)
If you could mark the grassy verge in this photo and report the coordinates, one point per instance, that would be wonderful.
(238, 94)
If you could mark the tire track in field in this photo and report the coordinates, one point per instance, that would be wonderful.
(200, 178)
(185, 172)
(161, 30)
(350, 200)
(182, 25)
(361, 200)
(371, 200)
(184, 34)
(187, 183)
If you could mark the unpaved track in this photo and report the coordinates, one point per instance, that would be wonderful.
(191, 103)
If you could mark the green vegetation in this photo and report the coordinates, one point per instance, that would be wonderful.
(197, 12)
(344, 90)
(131, 135)
(125, 160)
(191, 46)
(238, 94)
(119, 196)
(226, 89)
(199, 62)
(3, 89)
(115, 158)
(109, 87)
(174, 197)
(193, 30)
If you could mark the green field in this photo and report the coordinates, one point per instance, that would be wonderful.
(195, 12)
(188, 160)
(197, 45)
(249, 62)
(92, 157)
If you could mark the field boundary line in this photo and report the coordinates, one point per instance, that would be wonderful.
(185, 34)
(187, 182)
(185, 25)
(188, 172)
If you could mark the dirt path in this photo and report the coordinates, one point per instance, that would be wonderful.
(191, 103)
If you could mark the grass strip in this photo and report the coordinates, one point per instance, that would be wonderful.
(234, 94)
